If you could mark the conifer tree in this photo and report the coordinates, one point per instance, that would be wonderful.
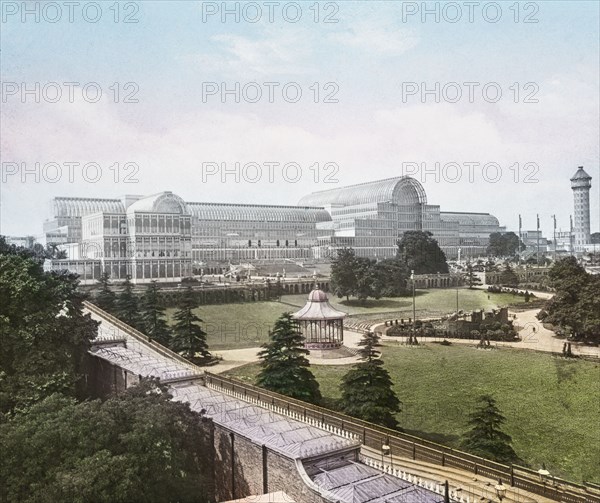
(486, 437)
(105, 297)
(470, 277)
(127, 306)
(284, 366)
(188, 337)
(153, 316)
(367, 387)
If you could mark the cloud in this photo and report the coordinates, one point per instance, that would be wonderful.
(366, 145)
(276, 52)
(376, 38)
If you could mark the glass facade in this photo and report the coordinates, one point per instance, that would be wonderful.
(162, 237)
(371, 217)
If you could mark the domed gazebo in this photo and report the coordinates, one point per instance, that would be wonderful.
(321, 324)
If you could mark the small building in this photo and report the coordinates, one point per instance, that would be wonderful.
(321, 325)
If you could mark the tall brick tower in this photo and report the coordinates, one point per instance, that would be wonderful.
(581, 183)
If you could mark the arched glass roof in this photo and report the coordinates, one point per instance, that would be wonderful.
(163, 202)
(402, 190)
(80, 206)
(470, 218)
(258, 213)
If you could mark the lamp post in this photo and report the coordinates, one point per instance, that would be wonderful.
(500, 490)
(543, 473)
(386, 450)
(457, 300)
(412, 277)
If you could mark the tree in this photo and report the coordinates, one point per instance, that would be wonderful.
(576, 304)
(153, 316)
(470, 277)
(365, 279)
(106, 297)
(136, 446)
(504, 244)
(127, 305)
(283, 362)
(35, 251)
(367, 387)
(45, 335)
(391, 277)
(53, 252)
(188, 337)
(486, 437)
(420, 252)
(508, 276)
(343, 273)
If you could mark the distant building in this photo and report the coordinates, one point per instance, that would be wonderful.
(163, 237)
(531, 239)
(370, 217)
(581, 183)
(23, 241)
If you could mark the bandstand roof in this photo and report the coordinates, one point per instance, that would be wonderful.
(318, 308)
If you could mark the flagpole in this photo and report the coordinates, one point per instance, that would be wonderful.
(538, 239)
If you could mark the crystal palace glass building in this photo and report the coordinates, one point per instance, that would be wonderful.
(163, 237)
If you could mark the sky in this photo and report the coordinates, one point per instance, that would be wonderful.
(492, 106)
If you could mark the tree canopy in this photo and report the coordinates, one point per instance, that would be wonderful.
(343, 273)
(362, 277)
(508, 276)
(367, 387)
(283, 362)
(504, 244)
(486, 438)
(420, 252)
(45, 335)
(137, 446)
(576, 305)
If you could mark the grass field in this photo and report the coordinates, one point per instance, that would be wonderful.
(552, 405)
(232, 326)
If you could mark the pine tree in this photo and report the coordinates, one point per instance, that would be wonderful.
(367, 387)
(127, 306)
(486, 437)
(105, 297)
(284, 366)
(470, 277)
(188, 337)
(153, 316)
(508, 276)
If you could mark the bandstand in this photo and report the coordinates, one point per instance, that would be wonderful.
(321, 325)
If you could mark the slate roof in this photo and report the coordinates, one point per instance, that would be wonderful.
(351, 483)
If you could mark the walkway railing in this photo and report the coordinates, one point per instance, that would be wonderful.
(403, 444)
(139, 336)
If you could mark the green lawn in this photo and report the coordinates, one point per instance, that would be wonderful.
(242, 325)
(552, 405)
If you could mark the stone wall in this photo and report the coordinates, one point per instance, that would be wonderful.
(104, 379)
(238, 467)
(243, 468)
